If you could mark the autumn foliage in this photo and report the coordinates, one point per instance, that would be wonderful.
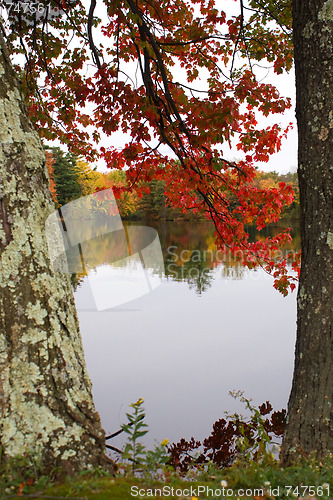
(178, 77)
(222, 447)
(49, 164)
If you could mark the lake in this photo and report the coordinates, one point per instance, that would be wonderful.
(210, 327)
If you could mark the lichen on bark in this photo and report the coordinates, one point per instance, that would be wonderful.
(310, 411)
(326, 13)
(46, 405)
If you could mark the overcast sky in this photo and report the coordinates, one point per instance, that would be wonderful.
(286, 159)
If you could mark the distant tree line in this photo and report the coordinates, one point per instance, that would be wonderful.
(71, 178)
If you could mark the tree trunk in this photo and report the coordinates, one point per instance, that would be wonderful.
(310, 411)
(46, 406)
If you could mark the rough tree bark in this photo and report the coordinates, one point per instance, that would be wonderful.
(46, 406)
(310, 410)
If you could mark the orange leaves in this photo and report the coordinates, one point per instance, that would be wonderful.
(22, 486)
(131, 151)
(113, 158)
(233, 27)
(49, 164)
(245, 85)
(159, 35)
(263, 142)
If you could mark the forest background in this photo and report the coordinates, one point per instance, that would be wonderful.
(72, 177)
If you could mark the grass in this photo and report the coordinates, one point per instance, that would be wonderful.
(256, 473)
(248, 480)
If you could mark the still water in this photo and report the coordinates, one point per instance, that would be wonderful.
(210, 327)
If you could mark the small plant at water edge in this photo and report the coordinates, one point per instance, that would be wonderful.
(134, 451)
(233, 438)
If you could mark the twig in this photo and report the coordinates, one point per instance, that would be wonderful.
(122, 430)
(93, 48)
(113, 448)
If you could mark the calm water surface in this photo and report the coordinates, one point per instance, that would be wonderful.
(209, 328)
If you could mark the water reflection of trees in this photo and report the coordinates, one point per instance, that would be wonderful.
(189, 252)
(235, 272)
(193, 271)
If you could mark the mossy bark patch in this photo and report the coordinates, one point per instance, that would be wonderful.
(45, 393)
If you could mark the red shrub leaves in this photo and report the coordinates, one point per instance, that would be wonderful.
(222, 446)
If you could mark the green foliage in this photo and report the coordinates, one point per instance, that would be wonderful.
(156, 460)
(134, 450)
(275, 481)
(291, 211)
(238, 440)
(308, 472)
(153, 204)
(255, 440)
(66, 176)
(151, 463)
(20, 474)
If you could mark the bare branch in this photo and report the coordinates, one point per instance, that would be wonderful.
(93, 48)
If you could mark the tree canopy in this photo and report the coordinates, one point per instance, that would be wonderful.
(181, 78)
